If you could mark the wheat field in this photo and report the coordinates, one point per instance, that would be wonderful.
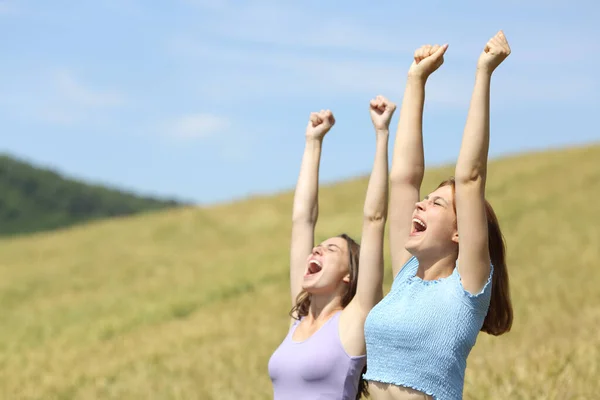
(190, 303)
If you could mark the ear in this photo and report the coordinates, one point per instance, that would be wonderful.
(347, 278)
(455, 236)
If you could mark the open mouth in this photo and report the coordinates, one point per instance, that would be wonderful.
(419, 226)
(314, 267)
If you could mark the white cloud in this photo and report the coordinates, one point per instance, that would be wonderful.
(212, 130)
(245, 74)
(72, 90)
(67, 100)
(261, 50)
(198, 126)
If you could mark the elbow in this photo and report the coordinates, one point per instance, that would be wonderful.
(375, 216)
(414, 177)
(469, 176)
(305, 217)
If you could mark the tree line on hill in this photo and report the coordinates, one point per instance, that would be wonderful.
(34, 199)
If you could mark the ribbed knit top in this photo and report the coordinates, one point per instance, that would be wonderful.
(422, 332)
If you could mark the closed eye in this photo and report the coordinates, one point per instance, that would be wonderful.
(438, 201)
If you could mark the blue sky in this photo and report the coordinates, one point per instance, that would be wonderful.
(207, 101)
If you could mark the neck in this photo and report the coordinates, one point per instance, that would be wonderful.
(324, 305)
(432, 268)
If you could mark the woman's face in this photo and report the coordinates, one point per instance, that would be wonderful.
(433, 226)
(327, 267)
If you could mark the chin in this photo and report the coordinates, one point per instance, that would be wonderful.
(418, 248)
(412, 245)
(311, 288)
(316, 289)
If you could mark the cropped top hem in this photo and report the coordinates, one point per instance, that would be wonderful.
(402, 384)
(422, 332)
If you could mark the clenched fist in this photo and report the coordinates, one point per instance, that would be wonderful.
(427, 59)
(381, 110)
(319, 124)
(495, 51)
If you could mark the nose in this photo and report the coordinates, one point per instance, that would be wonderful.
(420, 206)
(316, 250)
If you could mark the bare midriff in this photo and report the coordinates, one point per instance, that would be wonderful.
(386, 391)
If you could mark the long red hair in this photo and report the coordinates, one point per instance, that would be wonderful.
(499, 317)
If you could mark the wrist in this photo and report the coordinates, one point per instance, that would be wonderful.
(416, 79)
(313, 141)
(483, 72)
(382, 132)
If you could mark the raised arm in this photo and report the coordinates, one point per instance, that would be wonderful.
(306, 204)
(471, 169)
(408, 163)
(369, 290)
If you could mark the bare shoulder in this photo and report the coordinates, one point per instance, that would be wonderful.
(351, 330)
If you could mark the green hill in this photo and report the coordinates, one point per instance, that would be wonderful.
(36, 199)
(189, 303)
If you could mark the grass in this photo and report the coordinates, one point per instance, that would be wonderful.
(190, 303)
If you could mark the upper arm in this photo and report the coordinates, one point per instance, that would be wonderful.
(303, 233)
(474, 256)
(369, 287)
(403, 197)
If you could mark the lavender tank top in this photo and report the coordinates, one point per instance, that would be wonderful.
(316, 368)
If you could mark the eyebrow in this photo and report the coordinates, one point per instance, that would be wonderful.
(437, 198)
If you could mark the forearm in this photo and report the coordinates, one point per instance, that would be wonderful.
(306, 205)
(369, 286)
(408, 164)
(376, 202)
(472, 159)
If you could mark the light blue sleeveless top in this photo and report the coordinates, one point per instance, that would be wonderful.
(421, 333)
(315, 368)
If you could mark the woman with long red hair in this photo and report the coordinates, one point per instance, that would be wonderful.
(448, 254)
